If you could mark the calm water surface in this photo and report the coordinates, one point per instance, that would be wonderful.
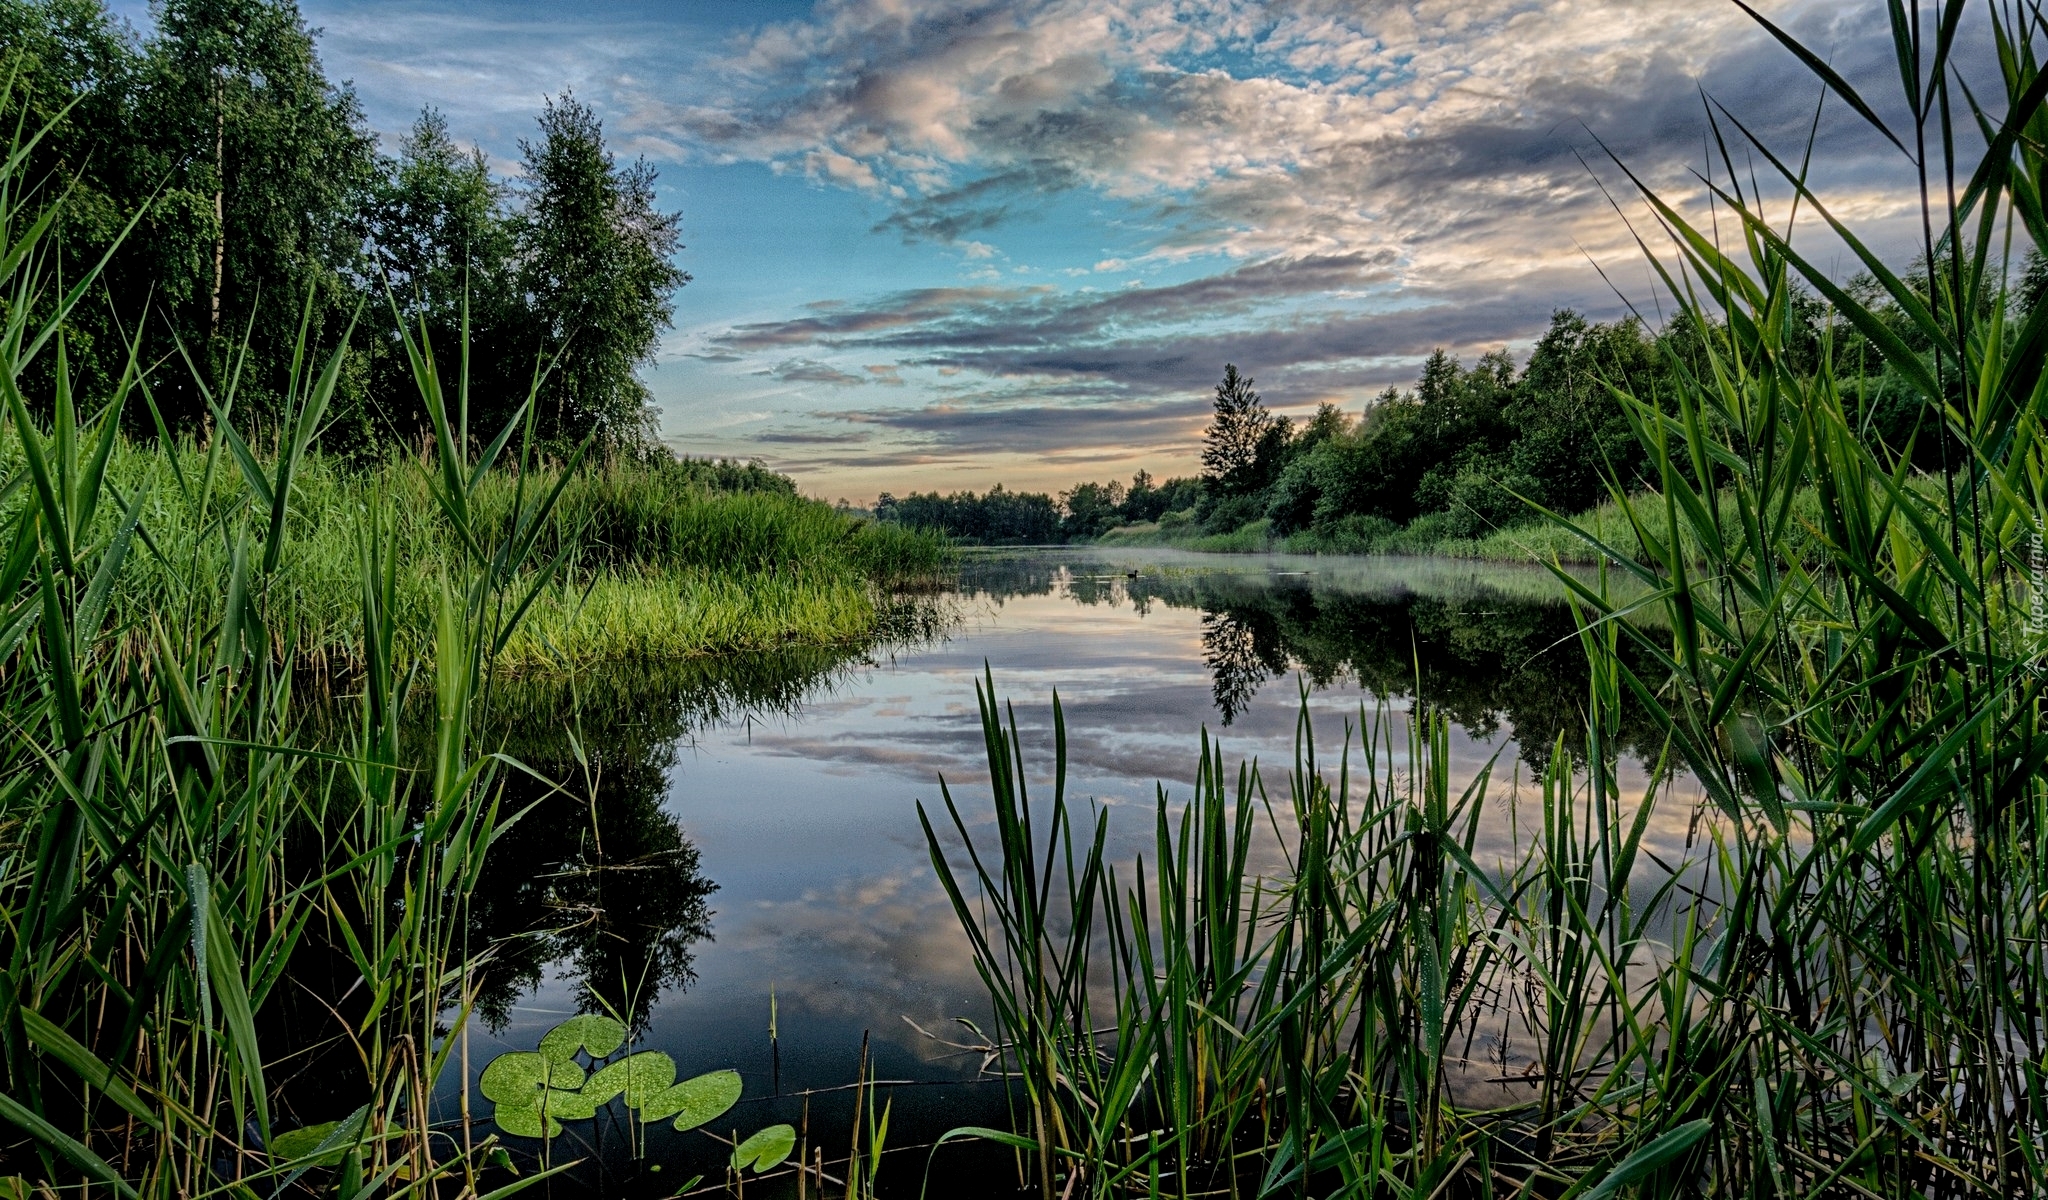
(745, 833)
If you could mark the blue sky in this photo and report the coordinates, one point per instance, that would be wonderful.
(945, 245)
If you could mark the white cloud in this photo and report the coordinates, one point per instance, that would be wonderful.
(1444, 128)
(840, 168)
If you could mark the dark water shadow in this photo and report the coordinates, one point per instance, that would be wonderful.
(596, 881)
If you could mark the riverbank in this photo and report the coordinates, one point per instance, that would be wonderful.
(1534, 541)
(649, 561)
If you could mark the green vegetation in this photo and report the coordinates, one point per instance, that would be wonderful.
(1000, 517)
(1486, 646)
(216, 872)
(656, 560)
(211, 170)
(1838, 988)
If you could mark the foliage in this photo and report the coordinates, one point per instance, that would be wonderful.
(596, 270)
(171, 857)
(210, 893)
(450, 258)
(998, 517)
(1238, 437)
(1836, 988)
(533, 1092)
(251, 178)
(1002, 517)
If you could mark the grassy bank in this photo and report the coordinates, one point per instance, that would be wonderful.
(244, 934)
(1539, 540)
(655, 561)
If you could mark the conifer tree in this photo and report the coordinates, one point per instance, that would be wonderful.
(1230, 446)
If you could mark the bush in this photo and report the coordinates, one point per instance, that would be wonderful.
(1226, 514)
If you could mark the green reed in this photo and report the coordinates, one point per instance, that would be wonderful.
(1833, 984)
(660, 566)
(172, 856)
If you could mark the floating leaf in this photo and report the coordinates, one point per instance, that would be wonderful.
(599, 1035)
(514, 1080)
(565, 1076)
(697, 1100)
(568, 1106)
(766, 1149)
(638, 1077)
(525, 1122)
(298, 1143)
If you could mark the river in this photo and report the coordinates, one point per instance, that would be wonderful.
(737, 843)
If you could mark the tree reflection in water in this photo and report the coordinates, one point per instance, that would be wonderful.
(1242, 650)
(598, 881)
(1486, 645)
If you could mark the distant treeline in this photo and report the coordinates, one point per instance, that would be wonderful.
(1003, 517)
(1467, 450)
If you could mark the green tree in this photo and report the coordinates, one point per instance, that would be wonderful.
(443, 239)
(598, 275)
(70, 52)
(266, 166)
(1570, 433)
(1231, 444)
(1092, 509)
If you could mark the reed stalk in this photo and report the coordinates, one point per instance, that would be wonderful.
(1834, 984)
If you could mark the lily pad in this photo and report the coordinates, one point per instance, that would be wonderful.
(298, 1143)
(565, 1076)
(514, 1080)
(568, 1106)
(765, 1150)
(696, 1100)
(638, 1077)
(525, 1122)
(602, 1036)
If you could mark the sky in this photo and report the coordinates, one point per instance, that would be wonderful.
(942, 245)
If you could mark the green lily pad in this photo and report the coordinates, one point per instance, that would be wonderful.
(697, 1100)
(568, 1106)
(298, 1143)
(638, 1077)
(514, 1080)
(525, 1122)
(766, 1149)
(565, 1076)
(600, 1035)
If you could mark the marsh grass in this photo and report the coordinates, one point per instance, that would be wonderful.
(204, 894)
(1838, 986)
(655, 563)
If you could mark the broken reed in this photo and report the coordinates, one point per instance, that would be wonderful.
(1836, 988)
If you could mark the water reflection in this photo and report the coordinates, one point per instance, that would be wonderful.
(1489, 647)
(597, 883)
(601, 889)
(791, 781)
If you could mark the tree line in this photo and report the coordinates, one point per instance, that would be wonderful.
(1467, 450)
(1000, 517)
(241, 195)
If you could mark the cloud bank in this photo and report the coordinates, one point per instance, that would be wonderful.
(1116, 198)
